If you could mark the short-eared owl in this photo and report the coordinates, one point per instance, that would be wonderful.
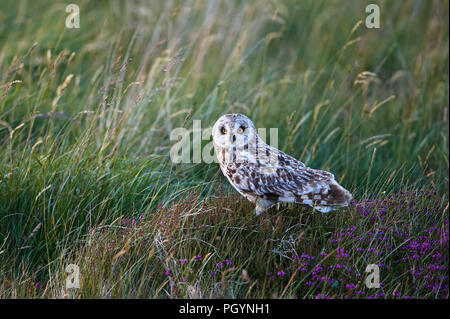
(265, 175)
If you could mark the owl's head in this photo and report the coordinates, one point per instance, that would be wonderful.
(233, 130)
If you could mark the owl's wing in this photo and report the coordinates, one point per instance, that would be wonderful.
(279, 175)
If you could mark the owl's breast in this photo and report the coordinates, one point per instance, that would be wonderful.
(220, 153)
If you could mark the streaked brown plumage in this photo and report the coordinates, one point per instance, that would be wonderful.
(265, 175)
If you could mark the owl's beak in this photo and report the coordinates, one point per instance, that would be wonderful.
(233, 138)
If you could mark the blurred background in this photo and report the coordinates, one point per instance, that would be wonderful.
(135, 70)
(86, 113)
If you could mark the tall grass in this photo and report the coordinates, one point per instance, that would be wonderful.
(86, 116)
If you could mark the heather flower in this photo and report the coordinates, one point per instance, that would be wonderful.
(350, 286)
(317, 269)
(341, 253)
(302, 267)
(322, 296)
(421, 252)
(168, 272)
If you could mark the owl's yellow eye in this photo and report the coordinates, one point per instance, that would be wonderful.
(240, 130)
(223, 130)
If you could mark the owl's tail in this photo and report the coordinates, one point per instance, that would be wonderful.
(327, 198)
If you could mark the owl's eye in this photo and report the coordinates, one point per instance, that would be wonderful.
(241, 129)
(223, 130)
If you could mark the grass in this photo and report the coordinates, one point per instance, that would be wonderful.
(85, 173)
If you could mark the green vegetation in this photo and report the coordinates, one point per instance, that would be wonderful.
(85, 122)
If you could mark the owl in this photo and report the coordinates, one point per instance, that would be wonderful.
(266, 175)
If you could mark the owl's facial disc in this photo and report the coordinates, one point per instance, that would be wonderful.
(234, 132)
